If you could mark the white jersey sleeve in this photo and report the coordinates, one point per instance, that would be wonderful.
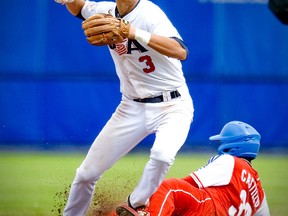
(158, 23)
(216, 173)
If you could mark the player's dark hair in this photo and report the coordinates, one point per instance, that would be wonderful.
(248, 159)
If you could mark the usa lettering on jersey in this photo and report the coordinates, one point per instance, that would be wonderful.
(127, 46)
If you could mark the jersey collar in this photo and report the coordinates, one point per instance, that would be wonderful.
(117, 12)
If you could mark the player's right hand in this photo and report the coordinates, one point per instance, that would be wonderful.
(64, 1)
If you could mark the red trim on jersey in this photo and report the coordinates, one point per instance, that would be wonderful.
(191, 181)
(197, 180)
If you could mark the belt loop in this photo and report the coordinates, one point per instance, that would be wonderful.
(166, 96)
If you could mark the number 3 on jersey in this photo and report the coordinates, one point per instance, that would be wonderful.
(149, 63)
(133, 45)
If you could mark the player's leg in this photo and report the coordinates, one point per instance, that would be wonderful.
(171, 122)
(178, 197)
(122, 132)
(162, 201)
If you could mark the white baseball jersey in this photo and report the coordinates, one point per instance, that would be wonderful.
(142, 71)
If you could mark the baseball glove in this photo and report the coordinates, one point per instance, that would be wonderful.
(104, 29)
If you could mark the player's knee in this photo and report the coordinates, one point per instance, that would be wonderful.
(160, 155)
(85, 175)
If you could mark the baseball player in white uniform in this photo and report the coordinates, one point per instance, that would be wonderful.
(155, 99)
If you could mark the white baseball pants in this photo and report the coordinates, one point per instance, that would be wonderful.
(132, 122)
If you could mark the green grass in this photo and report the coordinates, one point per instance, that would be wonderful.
(37, 183)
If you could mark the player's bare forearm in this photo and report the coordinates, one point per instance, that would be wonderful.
(164, 45)
(75, 7)
(167, 46)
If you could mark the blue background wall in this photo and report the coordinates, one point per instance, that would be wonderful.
(57, 90)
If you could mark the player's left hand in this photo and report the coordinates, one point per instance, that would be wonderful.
(105, 29)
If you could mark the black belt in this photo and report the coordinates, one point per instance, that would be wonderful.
(160, 98)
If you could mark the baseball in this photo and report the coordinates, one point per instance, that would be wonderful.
(64, 1)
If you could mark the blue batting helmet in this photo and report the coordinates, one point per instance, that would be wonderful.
(238, 139)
